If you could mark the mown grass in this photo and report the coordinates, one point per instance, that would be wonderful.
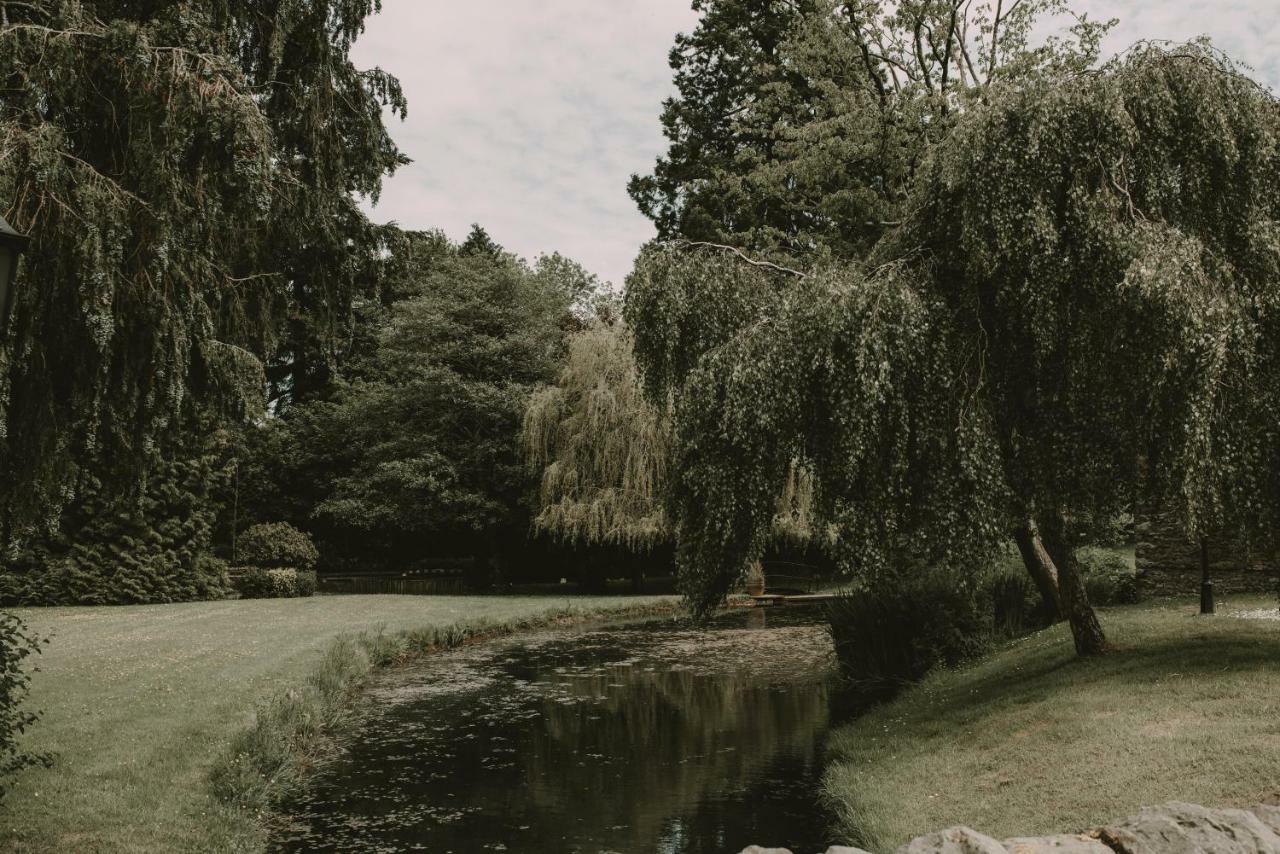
(142, 703)
(1033, 740)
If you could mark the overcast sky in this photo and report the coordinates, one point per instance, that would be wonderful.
(528, 117)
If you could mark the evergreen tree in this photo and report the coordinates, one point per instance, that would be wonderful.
(417, 454)
(185, 171)
(798, 127)
(478, 242)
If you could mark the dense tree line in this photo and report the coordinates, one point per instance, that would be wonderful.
(414, 453)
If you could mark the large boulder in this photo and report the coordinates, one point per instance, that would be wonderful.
(1178, 828)
(1174, 828)
(1064, 843)
(1268, 815)
(953, 840)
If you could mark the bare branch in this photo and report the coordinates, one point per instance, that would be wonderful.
(767, 265)
(995, 40)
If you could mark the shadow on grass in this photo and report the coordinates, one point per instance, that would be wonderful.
(1145, 652)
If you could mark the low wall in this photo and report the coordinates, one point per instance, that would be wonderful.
(405, 585)
(1168, 561)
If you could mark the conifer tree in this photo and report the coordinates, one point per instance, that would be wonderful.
(185, 171)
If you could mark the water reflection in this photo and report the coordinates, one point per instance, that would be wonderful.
(643, 739)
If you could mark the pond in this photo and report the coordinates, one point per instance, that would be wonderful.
(638, 738)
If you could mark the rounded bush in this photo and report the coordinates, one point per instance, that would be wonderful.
(254, 583)
(1109, 579)
(305, 585)
(260, 582)
(277, 545)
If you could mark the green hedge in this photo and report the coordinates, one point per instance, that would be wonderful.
(111, 549)
(260, 582)
(896, 632)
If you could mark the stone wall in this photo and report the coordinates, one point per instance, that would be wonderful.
(1168, 561)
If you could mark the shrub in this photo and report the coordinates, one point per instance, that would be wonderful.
(16, 644)
(1016, 604)
(895, 632)
(305, 583)
(111, 549)
(254, 583)
(260, 582)
(276, 545)
(1109, 578)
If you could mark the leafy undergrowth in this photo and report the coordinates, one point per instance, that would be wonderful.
(1033, 740)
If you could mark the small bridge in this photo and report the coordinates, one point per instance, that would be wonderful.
(790, 583)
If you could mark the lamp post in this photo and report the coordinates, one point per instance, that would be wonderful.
(1206, 583)
(11, 245)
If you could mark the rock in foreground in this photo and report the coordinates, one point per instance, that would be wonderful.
(1174, 828)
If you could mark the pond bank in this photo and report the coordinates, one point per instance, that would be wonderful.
(140, 701)
(1033, 740)
(631, 738)
(296, 729)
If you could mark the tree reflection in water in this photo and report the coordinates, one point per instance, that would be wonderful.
(644, 739)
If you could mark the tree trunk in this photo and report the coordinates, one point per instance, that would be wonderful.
(1085, 628)
(1041, 568)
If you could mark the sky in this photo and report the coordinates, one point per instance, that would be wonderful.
(528, 117)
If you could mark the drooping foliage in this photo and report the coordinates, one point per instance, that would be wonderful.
(1087, 279)
(185, 171)
(848, 373)
(1115, 241)
(799, 127)
(600, 447)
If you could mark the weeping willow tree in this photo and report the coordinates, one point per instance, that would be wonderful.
(603, 450)
(1088, 278)
(185, 171)
(601, 447)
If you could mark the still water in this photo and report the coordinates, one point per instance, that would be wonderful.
(655, 737)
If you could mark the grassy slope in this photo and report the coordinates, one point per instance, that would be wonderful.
(1033, 740)
(140, 701)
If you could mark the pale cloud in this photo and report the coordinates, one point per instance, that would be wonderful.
(528, 117)
(1248, 30)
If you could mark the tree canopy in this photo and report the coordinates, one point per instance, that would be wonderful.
(417, 453)
(799, 127)
(186, 172)
(1085, 280)
(600, 447)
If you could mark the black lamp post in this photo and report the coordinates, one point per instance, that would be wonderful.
(11, 245)
(1206, 583)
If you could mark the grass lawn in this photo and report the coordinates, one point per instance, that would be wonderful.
(139, 702)
(1033, 740)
